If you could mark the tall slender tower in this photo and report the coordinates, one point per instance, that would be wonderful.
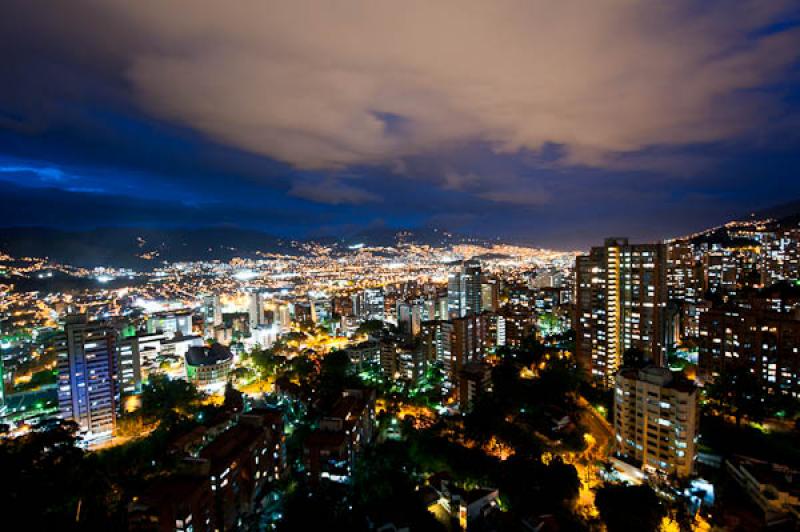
(471, 287)
(87, 376)
(464, 290)
(255, 309)
(212, 310)
(621, 299)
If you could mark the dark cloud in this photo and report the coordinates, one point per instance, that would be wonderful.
(554, 122)
(82, 208)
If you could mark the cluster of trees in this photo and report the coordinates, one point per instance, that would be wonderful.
(623, 508)
(38, 379)
(383, 491)
(518, 406)
(52, 483)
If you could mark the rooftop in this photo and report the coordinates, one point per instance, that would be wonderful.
(207, 356)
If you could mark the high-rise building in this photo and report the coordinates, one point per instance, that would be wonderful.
(518, 322)
(684, 272)
(766, 342)
(464, 290)
(471, 287)
(374, 304)
(400, 361)
(780, 257)
(454, 295)
(321, 310)
(621, 296)
(455, 343)
(490, 295)
(720, 272)
(255, 309)
(283, 316)
(130, 365)
(87, 376)
(409, 317)
(656, 420)
(474, 379)
(685, 287)
(212, 311)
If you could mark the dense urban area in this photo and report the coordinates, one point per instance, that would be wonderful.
(474, 386)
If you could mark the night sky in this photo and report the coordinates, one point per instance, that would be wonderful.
(554, 123)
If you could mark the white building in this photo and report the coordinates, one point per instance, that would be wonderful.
(656, 420)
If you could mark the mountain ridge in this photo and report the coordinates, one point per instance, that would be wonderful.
(137, 247)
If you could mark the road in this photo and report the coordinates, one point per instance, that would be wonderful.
(599, 428)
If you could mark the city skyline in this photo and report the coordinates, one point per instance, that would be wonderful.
(521, 121)
(433, 266)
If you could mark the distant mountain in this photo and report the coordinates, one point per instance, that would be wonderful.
(735, 232)
(782, 212)
(146, 248)
(137, 248)
(387, 236)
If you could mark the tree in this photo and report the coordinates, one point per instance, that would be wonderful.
(738, 392)
(370, 327)
(624, 508)
(484, 420)
(528, 484)
(266, 361)
(335, 375)
(385, 490)
(49, 484)
(162, 396)
(234, 400)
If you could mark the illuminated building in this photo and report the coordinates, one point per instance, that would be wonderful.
(400, 361)
(780, 257)
(464, 290)
(455, 343)
(220, 482)
(621, 295)
(656, 420)
(130, 366)
(208, 367)
(331, 450)
(374, 304)
(87, 377)
(212, 311)
(170, 323)
(548, 280)
(516, 322)
(490, 295)
(283, 316)
(766, 342)
(255, 310)
(409, 317)
(720, 272)
(321, 310)
(302, 312)
(774, 488)
(365, 354)
(176, 347)
(238, 462)
(685, 287)
(474, 379)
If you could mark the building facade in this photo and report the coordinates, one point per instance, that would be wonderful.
(765, 341)
(656, 420)
(621, 297)
(88, 377)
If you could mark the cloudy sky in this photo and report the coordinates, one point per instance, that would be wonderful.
(556, 123)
